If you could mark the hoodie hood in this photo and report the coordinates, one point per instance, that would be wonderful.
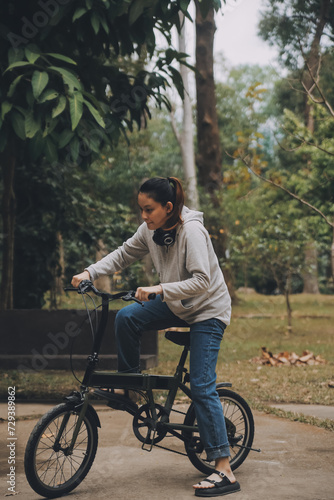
(191, 215)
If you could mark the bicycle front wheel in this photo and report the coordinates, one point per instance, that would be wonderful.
(240, 431)
(51, 468)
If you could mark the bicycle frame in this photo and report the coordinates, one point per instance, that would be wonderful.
(136, 381)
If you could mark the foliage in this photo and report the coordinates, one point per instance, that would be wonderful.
(73, 80)
(56, 100)
(301, 160)
(292, 24)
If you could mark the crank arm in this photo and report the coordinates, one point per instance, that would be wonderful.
(258, 450)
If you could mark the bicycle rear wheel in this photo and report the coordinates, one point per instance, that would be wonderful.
(240, 431)
(51, 469)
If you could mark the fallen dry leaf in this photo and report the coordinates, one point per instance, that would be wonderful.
(286, 358)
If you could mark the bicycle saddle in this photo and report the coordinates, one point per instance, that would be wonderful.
(179, 338)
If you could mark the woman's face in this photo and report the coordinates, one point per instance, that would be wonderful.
(153, 213)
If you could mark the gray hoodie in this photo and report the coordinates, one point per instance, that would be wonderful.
(192, 281)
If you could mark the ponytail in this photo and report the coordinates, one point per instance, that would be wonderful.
(178, 204)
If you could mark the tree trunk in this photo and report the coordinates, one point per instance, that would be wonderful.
(186, 140)
(289, 310)
(332, 257)
(310, 276)
(103, 282)
(312, 64)
(209, 157)
(209, 154)
(61, 274)
(313, 61)
(8, 161)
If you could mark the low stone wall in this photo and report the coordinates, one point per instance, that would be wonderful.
(41, 340)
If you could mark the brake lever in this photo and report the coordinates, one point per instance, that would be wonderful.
(84, 286)
(131, 296)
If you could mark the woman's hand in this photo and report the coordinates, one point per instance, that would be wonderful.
(76, 280)
(143, 292)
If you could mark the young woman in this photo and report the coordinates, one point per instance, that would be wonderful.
(192, 292)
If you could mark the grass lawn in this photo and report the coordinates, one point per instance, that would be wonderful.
(257, 321)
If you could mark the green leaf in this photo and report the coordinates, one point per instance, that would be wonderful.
(17, 64)
(50, 125)
(95, 21)
(31, 54)
(99, 119)
(13, 86)
(36, 147)
(74, 148)
(76, 108)
(15, 55)
(18, 124)
(59, 108)
(48, 95)
(68, 77)
(51, 151)
(5, 108)
(39, 81)
(105, 25)
(61, 57)
(79, 13)
(65, 137)
(32, 126)
(136, 10)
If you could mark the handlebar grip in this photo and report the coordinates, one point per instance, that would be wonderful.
(152, 296)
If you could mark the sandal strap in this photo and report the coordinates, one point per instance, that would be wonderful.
(217, 483)
(220, 474)
(208, 481)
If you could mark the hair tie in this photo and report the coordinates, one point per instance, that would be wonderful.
(171, 182)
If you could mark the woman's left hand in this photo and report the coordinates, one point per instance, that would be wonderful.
(143, 292)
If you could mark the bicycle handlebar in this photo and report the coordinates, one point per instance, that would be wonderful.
(87, 286)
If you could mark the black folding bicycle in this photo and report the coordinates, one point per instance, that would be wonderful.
(62, 446)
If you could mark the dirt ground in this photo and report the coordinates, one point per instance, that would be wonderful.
(296, 462)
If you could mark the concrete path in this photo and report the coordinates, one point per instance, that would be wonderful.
(296, 462)
(318, 411)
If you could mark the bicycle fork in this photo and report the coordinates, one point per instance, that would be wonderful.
(83, 401)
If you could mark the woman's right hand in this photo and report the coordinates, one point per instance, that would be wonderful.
(76, 280)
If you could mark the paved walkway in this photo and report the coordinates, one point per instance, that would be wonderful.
(318, 411)
(296, 462)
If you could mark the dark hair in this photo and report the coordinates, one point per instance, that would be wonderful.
(165, 189)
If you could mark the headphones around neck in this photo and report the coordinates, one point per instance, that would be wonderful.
(164, 238)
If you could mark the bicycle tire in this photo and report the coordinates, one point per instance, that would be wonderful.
(240, 429)
(50, 472)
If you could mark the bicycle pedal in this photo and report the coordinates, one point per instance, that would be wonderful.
(235, 439)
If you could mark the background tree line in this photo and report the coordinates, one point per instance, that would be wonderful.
(74, 146)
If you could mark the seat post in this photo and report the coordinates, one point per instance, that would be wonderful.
(180, 367)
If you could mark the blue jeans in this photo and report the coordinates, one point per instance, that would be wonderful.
(205, 338)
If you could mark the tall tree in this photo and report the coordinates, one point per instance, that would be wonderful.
(185, 136)
(209, 152)
(60, 110)
(209, 155)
